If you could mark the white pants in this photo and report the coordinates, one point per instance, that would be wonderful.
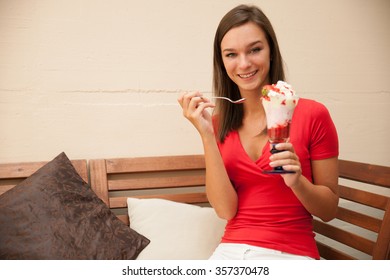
(233, 251)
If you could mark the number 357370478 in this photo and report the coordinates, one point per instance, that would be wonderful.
(241, 270)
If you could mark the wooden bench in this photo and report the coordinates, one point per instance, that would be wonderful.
(177, 178)
(12, 174)
(182, 179)
(366, 214)
(360, 231)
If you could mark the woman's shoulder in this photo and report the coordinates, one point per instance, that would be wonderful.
(305, 102)
(310, 106)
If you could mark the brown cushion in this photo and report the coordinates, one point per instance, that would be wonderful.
(54, 214)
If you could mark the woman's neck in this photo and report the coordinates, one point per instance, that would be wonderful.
(252, 105)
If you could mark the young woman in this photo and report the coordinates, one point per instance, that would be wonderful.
(269, 216)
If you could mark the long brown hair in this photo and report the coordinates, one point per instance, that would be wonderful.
(229, 115)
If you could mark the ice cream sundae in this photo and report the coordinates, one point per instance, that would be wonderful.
(279, 101)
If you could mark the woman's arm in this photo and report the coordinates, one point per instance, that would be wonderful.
(321, 197)
(219, 189)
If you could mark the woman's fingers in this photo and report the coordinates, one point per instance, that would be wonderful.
(188, 101)
(286, 157)
(192, 102)
(194, 106)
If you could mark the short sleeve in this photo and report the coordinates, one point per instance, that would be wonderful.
(324, 139)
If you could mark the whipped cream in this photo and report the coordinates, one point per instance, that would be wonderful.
(279, 101)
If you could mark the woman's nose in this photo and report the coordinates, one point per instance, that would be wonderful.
(244, 62)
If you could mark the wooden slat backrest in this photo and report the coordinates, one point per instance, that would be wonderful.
(166, 177)
(13, 173)
(377, 247)
(366, 173)
(182, 179)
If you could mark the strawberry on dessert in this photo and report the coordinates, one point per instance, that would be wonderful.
(279, 101)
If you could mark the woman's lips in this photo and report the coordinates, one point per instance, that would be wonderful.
(247, 75)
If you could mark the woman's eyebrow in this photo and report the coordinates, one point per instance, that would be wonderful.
(228, 50)
(249, 45)
(254, 43)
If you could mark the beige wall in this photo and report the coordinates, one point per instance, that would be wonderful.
(100, 78)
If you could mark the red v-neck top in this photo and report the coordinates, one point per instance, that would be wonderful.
(269, 214)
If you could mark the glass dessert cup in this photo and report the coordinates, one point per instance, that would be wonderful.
(278, 134)
(279, 101)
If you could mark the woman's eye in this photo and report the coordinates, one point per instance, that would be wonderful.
(255, 50)
(231, 55)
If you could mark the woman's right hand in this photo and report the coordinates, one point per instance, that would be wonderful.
(195, 110)
(220, 192)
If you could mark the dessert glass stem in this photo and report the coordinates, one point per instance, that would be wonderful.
(277, 169)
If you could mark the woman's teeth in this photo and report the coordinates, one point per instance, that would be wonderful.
(245, 76)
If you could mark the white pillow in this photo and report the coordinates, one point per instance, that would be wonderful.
(177, 231)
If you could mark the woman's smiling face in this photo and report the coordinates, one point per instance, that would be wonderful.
(246, 57)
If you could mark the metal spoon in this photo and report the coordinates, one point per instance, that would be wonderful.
(228, 99)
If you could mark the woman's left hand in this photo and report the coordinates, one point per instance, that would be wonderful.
(289, 160)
